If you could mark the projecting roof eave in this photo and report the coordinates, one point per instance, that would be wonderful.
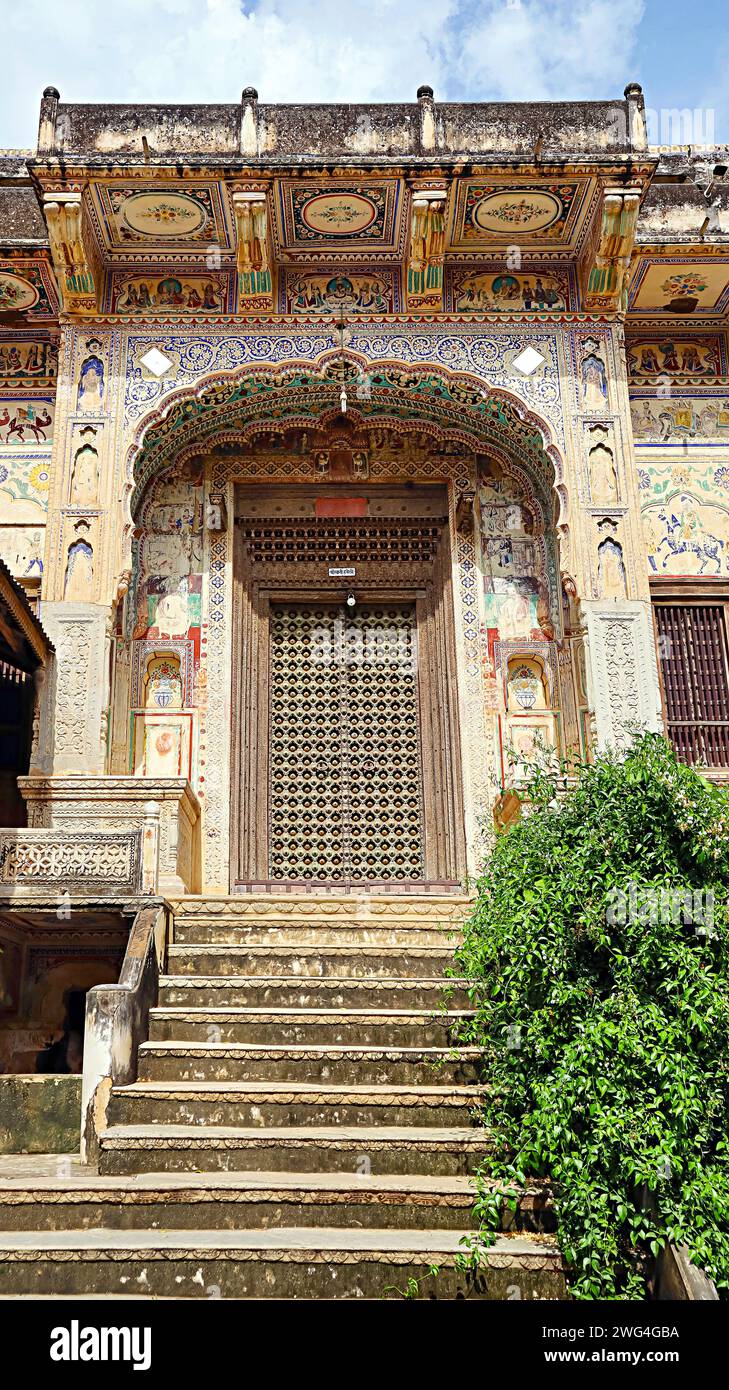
(14, 600)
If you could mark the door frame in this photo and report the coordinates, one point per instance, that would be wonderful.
(444, 851)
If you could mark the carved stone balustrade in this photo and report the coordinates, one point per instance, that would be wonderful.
(84, 807)
(50, 864)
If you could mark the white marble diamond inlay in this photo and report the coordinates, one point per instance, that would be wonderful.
(156, 362)
(528, 361)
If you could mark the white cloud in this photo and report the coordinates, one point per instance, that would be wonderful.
(551, 50)
(713, 101)
(310, 50)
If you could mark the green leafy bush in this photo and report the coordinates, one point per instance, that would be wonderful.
(605, 1019)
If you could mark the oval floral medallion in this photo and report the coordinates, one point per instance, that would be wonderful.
(16, 293)
(529, 210)
(338, 214)
(163, 214)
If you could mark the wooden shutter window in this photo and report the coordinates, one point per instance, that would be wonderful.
(694, 658)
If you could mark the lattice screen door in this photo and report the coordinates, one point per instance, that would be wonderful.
(345, 795)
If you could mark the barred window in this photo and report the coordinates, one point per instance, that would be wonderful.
(694, 661)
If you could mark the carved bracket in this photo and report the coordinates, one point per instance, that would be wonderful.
(607, 273)
(73, 272)
(464, 511)
(427, 245)
(255, 289)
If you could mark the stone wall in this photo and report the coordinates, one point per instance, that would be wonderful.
(40, 1114)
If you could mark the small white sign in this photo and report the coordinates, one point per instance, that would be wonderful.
(342, 571)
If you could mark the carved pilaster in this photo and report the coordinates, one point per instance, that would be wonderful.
(621, 671)
(79, 634)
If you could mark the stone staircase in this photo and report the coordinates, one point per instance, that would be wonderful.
(301, 1126)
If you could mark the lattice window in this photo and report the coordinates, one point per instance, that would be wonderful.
(345, 778)
(331, 542)
(694, 660)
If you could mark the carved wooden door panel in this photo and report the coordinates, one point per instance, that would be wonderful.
(345, 782)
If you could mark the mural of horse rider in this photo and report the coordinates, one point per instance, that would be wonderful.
(684, 534)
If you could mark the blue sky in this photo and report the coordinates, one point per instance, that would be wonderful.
(364, 50)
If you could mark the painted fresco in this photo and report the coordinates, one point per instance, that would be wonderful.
(676, 287)
(24, 360)
(16, 293)
(508, 292)
(21, 547)
(353, 292)
(681, 417)
(685, 515)
(162, 218)
(26, 420)
(345, 212)
(689, 360)
(24, 483)
(516, 587)
(160, 214)
(26, 286)
(140, 293)
(491, 210)
(339, 213)
(169, 585)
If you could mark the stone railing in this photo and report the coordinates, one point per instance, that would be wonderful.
(117, 1022)
(51, 864)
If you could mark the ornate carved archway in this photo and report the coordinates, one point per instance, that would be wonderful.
(447, 420)
(228, 409)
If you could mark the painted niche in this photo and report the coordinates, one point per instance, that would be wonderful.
(516, 558)
(603, 481)
(611, 569)
(163, 682)
(90, 399)
(79, 582)
(594, 378)
(84, 490)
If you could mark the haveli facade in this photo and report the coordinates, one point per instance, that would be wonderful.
(466, 364)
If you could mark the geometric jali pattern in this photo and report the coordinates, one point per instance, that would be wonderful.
(345, 784)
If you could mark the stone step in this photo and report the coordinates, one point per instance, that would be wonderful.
(290, 1262)
(271, 1103)
(380, 1066)
(333, 1148)
(321, 1026)
(229, 1201)
(315, 935)
(85, 1199)
(240, 991)
(349, 962)
(335, 908)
